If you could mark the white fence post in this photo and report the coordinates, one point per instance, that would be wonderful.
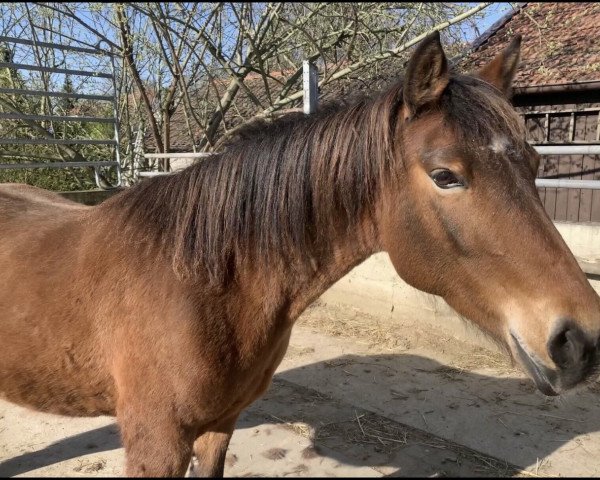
(310, 86)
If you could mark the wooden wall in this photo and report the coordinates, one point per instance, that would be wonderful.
(567, 124)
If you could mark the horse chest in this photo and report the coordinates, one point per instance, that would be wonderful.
(254, 380)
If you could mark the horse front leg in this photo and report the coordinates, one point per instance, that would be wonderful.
(156, 445)
(210, 449)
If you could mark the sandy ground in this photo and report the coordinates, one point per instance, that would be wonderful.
(357, 397)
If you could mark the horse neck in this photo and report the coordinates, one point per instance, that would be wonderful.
(342, 242)
(337, 255)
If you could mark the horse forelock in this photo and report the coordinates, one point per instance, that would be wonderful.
(481, 115)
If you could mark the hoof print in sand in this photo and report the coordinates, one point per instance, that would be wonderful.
(275, 453)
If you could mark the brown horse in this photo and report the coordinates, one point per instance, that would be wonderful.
(171, 304)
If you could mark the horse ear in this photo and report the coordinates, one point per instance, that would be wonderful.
(426, 75)
(500, 72)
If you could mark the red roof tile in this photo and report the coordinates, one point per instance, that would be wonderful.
(560, 44)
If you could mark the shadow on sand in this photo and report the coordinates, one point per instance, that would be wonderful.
(418, 397)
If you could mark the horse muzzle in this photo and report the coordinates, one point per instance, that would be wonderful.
(576, 357)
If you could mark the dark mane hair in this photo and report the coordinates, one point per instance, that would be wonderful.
(273, 191)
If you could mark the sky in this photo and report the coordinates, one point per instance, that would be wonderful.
(492, 13)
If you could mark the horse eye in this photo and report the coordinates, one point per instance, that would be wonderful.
(445, 179)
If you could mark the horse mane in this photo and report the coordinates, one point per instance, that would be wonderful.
(281, 185)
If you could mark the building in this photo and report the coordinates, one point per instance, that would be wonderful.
(557, 90)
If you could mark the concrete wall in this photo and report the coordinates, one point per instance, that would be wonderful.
(583, 239)
(375, 288)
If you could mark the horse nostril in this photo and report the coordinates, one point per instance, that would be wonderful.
(569, 347)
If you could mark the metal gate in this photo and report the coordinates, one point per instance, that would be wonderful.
(48, 137)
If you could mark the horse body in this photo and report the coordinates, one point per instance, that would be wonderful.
(43, 306)
(170, 305)
(111, 337)
(66, 295)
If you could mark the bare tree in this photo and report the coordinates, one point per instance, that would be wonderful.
(214, 66)
(258, 50)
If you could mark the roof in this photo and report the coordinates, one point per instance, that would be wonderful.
(560, 43)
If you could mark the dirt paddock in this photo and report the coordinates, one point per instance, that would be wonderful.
(358, 397)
